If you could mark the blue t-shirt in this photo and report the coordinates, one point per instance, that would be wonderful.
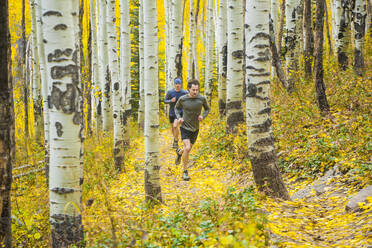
(168, 99)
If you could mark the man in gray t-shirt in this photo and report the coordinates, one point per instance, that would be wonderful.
(191, 104)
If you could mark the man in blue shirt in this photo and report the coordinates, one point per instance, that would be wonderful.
(171, 98)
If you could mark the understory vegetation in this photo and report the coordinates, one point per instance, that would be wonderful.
(220, 206)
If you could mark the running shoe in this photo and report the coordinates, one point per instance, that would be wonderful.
(179, 156)
(185, 175)
(175, 144)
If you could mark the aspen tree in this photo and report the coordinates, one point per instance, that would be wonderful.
(291, 41)
(235, 76)
(104, 72)
(6, 129)
(44, 84)
(318, 58)
(152, 164)
(95, 77)
(141, 108)
(168, 42)
(343, 21)
(260, 138)
(117, 101)
(36, 83)
(177, 42)
(222, 61)
(65, 109)
(359, 21)
(274, 19)
(191, 67)
(209, 53)
(308, 34)
(24, 69)
(125, 54)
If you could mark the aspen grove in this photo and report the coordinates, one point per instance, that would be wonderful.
(185, 123)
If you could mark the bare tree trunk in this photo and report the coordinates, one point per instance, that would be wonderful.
(260, 139)
(318, 63)
(24, 69)
(276, 58)
(281, 27)
(66, 131)
(308, 41)
(235, 76)
(6, 129)
(222, 61)
(328, 31)
(343, 34)
(360, 15)
(152, 165)
(90, 77)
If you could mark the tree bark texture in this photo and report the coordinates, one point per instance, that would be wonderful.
(291, 42)
(343, 32)
(260, 138)
(117, 84)
(235, 76)
(208, 83)
(360, 17)
(308, 39)
(6, 129)
(141, 108)
(24, 69)
(36, 83)
(318, 63)
(44, 84)
(177, 41)
(60, 29)
(276, 58)
(328, 31)
(125, 55)
(191, 67)
(222, 61)
(152, 164)
(104, 71)
(96, 85)
(281, 26)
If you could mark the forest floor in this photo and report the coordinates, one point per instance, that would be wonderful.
(220, 206)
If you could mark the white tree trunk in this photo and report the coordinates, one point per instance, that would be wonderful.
(209, 53)
(259, 134)
(96, 99)
(168, 43)
(117, 85)
(360, 15)
(343, 33)
(125, 54)
(104, 72)
(235, 77)
(152, 165)
(36, 83)
(65, 109)
(177, 42)
(195, 42)
(291, 41)
(141, 108)
(44, 84)
(274, 18)
(222, 61)
(191, 67)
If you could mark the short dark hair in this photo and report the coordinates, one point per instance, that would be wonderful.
(193, 82)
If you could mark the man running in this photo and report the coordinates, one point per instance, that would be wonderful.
(171, 98)
(191, 105)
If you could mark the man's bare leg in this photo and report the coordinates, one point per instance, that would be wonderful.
(175, 130)
(186, 152)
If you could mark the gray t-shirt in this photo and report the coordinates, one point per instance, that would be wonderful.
(191, 110)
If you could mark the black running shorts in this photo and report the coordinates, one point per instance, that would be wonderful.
(186, 134)
(172, 118)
